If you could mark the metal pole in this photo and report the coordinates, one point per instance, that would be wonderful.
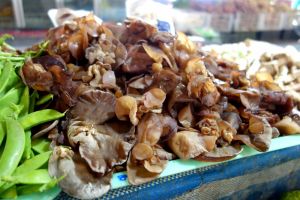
(19, 13)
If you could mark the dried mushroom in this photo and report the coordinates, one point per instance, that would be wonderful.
(36, 76)
(187, 144)
(94, 106)
(102, 148)
(79, 181)
(204, 89)
(220, 154)
(138, 97)
(260, 141)
(287, 126)
(154, 98)
(185, 116)
(153, 127)
(126, 108)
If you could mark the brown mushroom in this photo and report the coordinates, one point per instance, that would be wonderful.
(79, 181)
(36, 77)
(156, 54)
(203, 88)
(142, 151)
(154, 98)
(126, 108)
(232, 118)
(166, 80)
(287, 126)
(195, 66)
(101, 150)
(138, 174)
(185, 116)
(260, 142)
(208, 126)
(154, 127)
(220, 154)
(95, 106)
(226, 130)
(187, 144)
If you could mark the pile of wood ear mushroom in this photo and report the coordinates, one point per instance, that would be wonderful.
(137, 98)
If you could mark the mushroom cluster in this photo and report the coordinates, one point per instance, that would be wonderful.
(264, 61)
(137, 98)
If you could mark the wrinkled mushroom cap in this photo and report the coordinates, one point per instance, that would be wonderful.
(79, 181)
(100, 145)
(187, 144)
(154, 98)
(95, 106)
(126, 107)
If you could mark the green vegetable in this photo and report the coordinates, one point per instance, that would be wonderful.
(29, 165)
(11, 111)
(33, 163)
(27, 149)
(38, 176)
(14, 148)
(44, 99)
(12, 96)
(14, 82)
(2, 132)
(293, 195)
(28, 189)
(33, 97)
(32, 54)
(25, 102)
(4, 37)
(40, 145)
(20, 169)
(10, 193)
(5, 73)
(39, 117)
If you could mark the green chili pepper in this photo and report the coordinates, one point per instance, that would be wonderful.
(27, 149)
(40, 145)
(14, 148)
(39, 117)
(24, 101)
(38, 176)
(44, 99)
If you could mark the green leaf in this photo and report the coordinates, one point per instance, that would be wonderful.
(4, 37)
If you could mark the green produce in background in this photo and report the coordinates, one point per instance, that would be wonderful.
(23, 161)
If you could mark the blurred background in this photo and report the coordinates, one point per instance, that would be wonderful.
(210, 21)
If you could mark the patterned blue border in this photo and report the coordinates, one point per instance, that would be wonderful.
(177, 184)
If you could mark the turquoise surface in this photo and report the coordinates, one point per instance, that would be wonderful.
(176, 166)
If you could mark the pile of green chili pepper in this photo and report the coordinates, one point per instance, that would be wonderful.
(23, 160)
